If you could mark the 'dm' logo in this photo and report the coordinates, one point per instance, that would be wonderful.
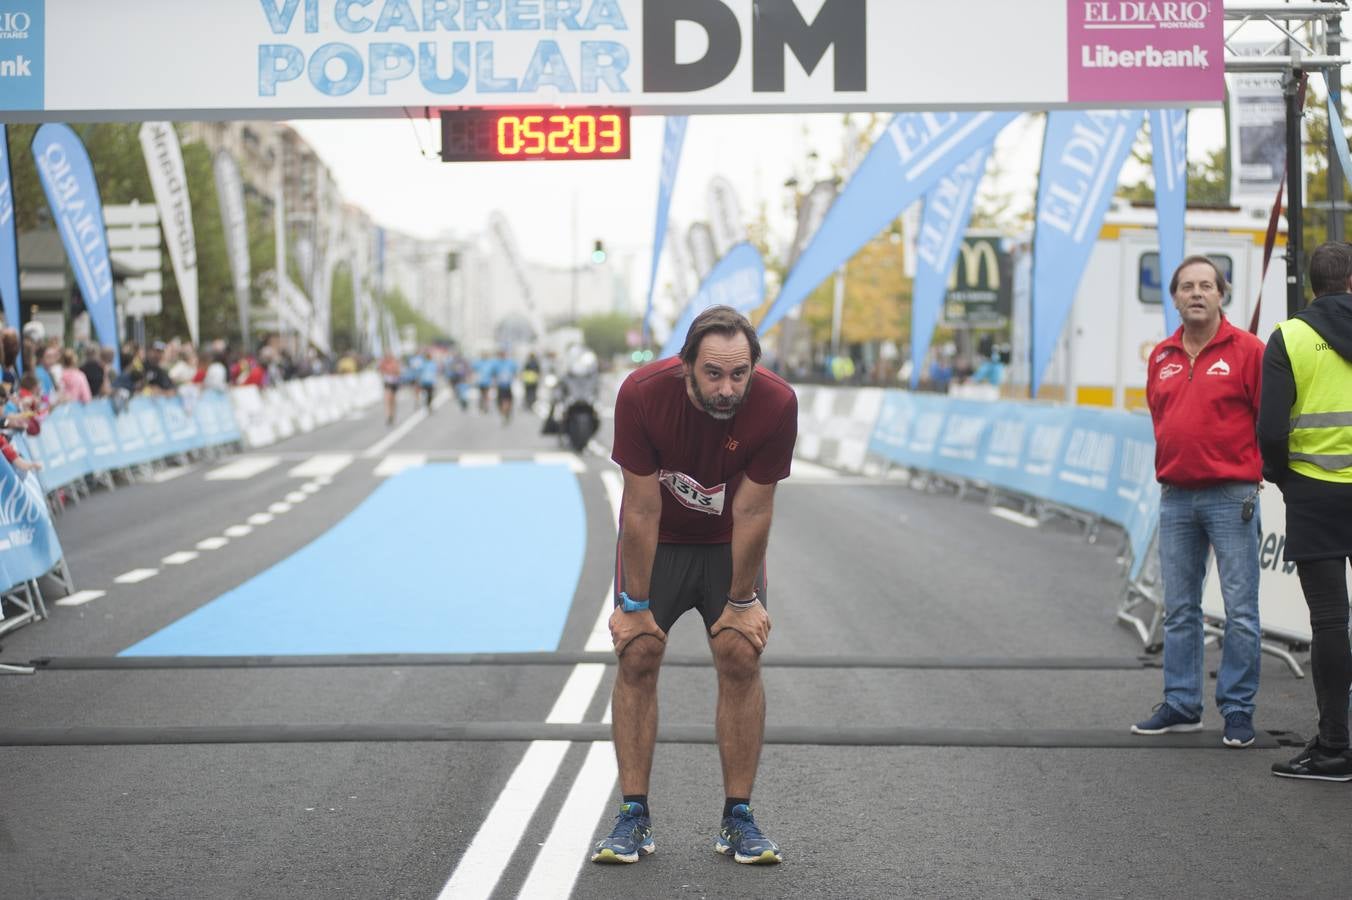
(775, 26)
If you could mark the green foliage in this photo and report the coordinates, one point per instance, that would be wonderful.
(608, 334)
(404, 314)
(1208, 181)
(120, 171)
(343, 311)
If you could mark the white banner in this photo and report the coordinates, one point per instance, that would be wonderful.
(1282, 610)
(699, 240)
(1257, 142)
(164, 160)
(230, 196)
(305, 57)
(725, 215)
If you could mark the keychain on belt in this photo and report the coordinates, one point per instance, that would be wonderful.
(1246, 511)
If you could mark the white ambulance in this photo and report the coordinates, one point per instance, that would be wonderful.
(1116, 319)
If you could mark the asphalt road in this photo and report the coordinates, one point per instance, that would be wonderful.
(968, 739)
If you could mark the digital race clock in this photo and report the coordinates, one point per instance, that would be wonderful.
(492, 135)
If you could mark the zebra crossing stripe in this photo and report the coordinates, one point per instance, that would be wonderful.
(395, 463)
(243, 468)
(329, 464)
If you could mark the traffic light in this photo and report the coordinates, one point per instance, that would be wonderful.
(598, 253)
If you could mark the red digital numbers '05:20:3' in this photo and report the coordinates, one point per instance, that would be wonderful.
(534, 133)
(561, 135)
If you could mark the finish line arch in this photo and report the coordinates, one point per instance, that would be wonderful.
(83, 60)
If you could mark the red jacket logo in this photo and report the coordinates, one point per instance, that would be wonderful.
(1170, 371)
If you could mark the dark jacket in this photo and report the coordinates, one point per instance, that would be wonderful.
(1318, 513)
(1331, 316)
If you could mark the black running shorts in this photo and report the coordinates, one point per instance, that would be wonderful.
(688, 576)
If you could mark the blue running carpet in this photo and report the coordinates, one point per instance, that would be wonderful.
(439, 559)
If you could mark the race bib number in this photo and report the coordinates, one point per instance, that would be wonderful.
(693, 494)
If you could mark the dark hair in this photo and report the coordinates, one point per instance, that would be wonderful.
(1330, 268)
(1221, 284)
(722, 320)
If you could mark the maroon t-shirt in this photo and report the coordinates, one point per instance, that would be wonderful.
(701, 460)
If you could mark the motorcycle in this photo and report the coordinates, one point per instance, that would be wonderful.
(572, 408)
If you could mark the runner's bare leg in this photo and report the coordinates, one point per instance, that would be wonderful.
(634, 712)
(740, 720)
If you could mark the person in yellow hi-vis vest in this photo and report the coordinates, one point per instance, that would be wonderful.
(1305, 436)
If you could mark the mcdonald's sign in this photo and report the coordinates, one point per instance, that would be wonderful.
(980, 285)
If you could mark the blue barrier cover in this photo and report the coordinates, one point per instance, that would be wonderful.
(29, 547)
(131, 443)
(1099, 461)
(216, 419)
(181, 431)
(100, 434)
(147, 413)
(48, 448)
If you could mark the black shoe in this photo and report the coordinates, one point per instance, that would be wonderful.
(1317, 764)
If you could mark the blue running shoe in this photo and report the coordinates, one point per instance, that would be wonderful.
(1238, 729)
(741, 839)
(631, 837)
(1165, 720)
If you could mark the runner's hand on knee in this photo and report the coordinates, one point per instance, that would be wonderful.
(625, 626)
(752, 622)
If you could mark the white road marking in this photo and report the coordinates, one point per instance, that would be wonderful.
(136, 576)
(259, 519)
(212, 543)
(398, 434)
(614, 486)
(479, 459)
(562, 459)
(482, 865)
(80, 598)
(170, 474)
(243, 468)
(600, 640)
(297, 497)
(395, 463)
(311, 488)
(1017, 518)
(179, 558)
(238, 531)
(561, 857)
(322, 464)
(278, 508)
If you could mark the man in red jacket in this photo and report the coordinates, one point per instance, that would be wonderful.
(1202, 388)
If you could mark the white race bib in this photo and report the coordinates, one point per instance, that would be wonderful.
(693, 494)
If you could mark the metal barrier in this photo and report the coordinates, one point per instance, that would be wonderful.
(88, 444)
(1091, 465)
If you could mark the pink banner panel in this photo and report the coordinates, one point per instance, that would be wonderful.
(1146, 51)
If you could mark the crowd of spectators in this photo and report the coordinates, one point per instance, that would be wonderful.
(38, 373)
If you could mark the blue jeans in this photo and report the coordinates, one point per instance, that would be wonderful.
(1191, 521)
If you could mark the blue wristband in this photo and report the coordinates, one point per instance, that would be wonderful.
(632, 605)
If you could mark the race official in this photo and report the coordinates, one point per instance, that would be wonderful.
(1203, 390)
(1305, 436)
(702, 440)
